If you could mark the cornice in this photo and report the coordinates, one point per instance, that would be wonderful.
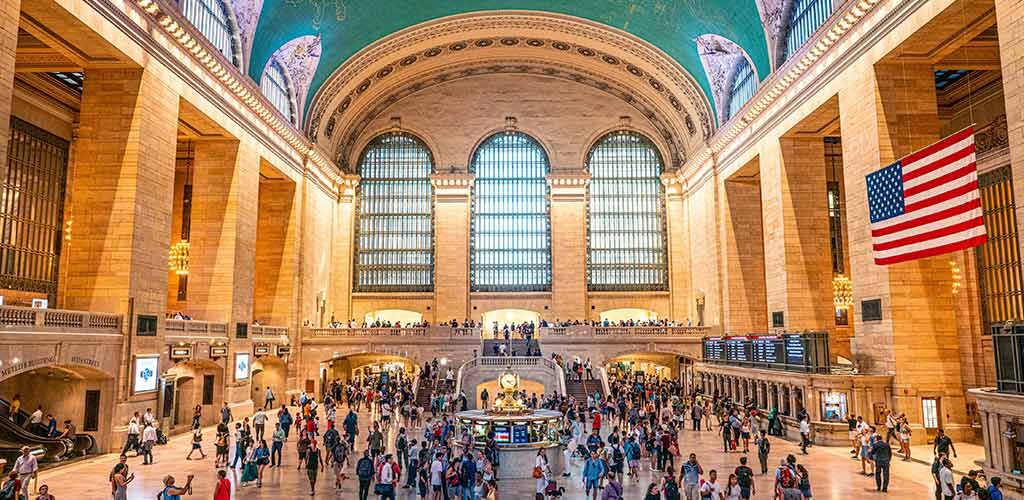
(196, 47)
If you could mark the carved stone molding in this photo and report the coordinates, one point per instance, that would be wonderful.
(624, 57)
(721, 58)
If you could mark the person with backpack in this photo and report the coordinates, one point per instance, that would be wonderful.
(364, 472)
(670, 485)
(745, 479)
(402, 448)
(467, 476)
(593, 471)
(613, 488)
(881, 453)
(691, 472)
(284, 419)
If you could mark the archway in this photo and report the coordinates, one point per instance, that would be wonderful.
(82, 394)
(362, 366)
(628, 314)
(268, 372)
(393, 316)
(498, 318)
(198, 382)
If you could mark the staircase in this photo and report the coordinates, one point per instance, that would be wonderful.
(580, 390)
(426, 388)
(519, 347)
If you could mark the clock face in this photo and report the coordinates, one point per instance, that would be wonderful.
(507, 381)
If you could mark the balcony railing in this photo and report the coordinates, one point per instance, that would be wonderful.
(58, 320)
(427, 332)
(195, 328)
(625, 331)
(265, 331)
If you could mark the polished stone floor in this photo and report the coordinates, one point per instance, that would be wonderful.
(833, 474)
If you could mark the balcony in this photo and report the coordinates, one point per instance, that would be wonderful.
(625, 331)
(20, 319)
(433, 332)
(195, 329)
(267, 332)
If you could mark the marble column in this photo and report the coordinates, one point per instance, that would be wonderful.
(569, 245)
(678, 248)
(451, 229)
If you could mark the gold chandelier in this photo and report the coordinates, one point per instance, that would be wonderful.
(177, 260)
(842, 291)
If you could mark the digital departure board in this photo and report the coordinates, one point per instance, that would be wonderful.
(520, 434)
(767, 350)
(807, 351)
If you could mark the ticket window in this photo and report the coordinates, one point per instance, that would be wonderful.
(833, 406)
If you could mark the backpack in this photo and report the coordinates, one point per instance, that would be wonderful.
(743, 476)
(671, 489)
(401, 443)
(763, 447)
(364, 469)
(617, 455)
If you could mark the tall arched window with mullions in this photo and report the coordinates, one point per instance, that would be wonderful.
(277, 88)
(511, 228)
(626, 215)
(395, 234)
(211, 18)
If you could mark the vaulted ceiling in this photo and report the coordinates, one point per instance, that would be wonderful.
(344, 27)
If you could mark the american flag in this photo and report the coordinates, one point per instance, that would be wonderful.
(927, 203)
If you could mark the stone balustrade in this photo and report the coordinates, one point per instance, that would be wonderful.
(58, 320)
(267, 331)
(195, 328)
(424, 332)
(625, 331)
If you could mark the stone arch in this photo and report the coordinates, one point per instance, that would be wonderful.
(599, 134)
(419, 133)
(528, 131)
(721, 58)
(268, 371)
(446, 48)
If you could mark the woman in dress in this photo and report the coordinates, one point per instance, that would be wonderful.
(541, 465)
(120, 483)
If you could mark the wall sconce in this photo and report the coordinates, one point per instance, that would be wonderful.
(842, 291)
(177, 259)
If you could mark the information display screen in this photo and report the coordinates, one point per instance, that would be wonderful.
(520, 434)
(737, 349)
(806, 351)
(502, 434)
(714, 349)
(768, 350)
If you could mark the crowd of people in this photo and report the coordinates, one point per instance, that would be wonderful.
(415, 443)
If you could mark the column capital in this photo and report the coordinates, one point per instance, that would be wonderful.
(452, 186)
(673, 184)
(568, 185)
(347, 184)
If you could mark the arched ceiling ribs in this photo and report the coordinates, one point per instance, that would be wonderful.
(721, 58)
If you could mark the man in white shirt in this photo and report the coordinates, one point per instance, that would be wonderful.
(437, 476)
(148, 417)
(710, 488)
(259, 421)
(148, 442)
(805, 434)
(945, 479)
(132, 443)
(36, 418)
(269, 399)
(26, 467)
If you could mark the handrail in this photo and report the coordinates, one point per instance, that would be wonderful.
(58, 319)
(513, 361)
(268, 331)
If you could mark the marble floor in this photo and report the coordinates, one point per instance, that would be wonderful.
(833, 474)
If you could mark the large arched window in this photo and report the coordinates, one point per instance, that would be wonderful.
(806, 17)
(511, 230)
(210, 17)
(395, 237)
(744, 86)
(626, 226)
(275, 87)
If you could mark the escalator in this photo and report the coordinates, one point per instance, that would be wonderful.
(13, 436)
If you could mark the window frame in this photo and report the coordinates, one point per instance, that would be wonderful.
(285, 88)
(659, 213)
(360, 211)
(475, 267)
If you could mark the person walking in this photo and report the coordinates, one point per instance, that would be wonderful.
(132, 442)
(744, 479)
(314, 464)
(26, 466)
(148, 442)
(881, 453)
(277, 446)
(262, 459)
(805, 434)
(691, 472)
(364, 472)
(268, 399)
(197, 444)
(223, 489)
(119, 482)
(764, 447)
(172, 491)
(259, 421)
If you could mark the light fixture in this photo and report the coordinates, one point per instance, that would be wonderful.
(956, 276)
(842, 291)
(177, 259)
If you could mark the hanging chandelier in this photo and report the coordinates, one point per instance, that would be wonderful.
(842, 291)
(177, 260)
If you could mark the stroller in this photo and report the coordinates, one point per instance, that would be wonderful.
(552, 490)
(581, 452)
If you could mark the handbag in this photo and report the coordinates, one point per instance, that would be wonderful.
(383, 489)
(537, 473)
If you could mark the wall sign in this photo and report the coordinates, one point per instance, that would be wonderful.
(218, 351)
(181, 352)
(283, 350)
(871, 310)
(145, 374)
(241, 366)
(261, 350)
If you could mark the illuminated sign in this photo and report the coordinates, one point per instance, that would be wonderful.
(145, 374)
(218, 351)
(241, 366)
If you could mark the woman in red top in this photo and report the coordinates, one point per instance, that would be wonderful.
(223, 489)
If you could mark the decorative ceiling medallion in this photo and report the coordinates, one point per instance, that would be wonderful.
(484, 43)
(583, 51)
(457, 46)
(635, 70)
(436, 51)
(533, 42)
(609, 59)
(560, 45)
(407, 61)
(509, 42)
(385, 71)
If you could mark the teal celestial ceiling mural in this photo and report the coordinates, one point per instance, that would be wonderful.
(347, 26)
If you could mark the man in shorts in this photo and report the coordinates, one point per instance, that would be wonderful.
(314, 461)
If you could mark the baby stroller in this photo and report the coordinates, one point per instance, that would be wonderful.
(552, 490)
(581, 451)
